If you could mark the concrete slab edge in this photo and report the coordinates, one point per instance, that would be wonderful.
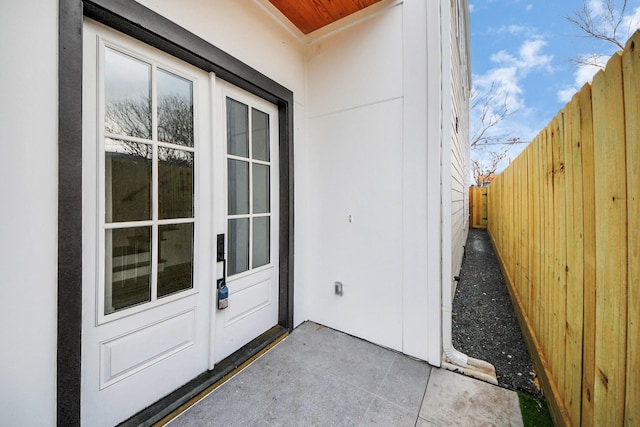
(475, 368)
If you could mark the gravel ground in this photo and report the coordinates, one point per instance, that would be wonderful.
(484, 323)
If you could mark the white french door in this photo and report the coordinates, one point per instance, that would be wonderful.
(162, 176)
(249, 174)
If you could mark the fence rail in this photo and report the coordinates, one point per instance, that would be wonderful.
(565, 220)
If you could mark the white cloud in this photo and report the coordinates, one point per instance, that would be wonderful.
(503, 57)
(589, 64)
(597, 8)
(529, 8)
(507, 82)
(471, 7)
(531, 56)
(565, 94)
(630, 23)
(513, 29)
(506, 79)
(601, 16)
(584, 74)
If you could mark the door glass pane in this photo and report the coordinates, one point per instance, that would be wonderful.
(237, 128)
(260, 188)
(260, 255)
(127, 181)
(260, 134)
(128, 267)
(175, 258)
(238, 250)
(127, 88)
(238, 184)
(175, 109)
(175, 187)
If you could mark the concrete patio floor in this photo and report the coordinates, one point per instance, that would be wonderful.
(321, 377)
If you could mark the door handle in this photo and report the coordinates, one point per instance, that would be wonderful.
(221, 284)
(220, 248)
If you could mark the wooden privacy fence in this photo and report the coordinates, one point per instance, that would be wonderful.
(478, 207)
(565, 220)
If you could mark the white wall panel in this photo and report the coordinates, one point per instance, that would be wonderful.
(359, 65)
(421, 185)
(357, 171)
(28, 218)
(354, 79)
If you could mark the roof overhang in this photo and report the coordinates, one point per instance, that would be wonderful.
(311, 15)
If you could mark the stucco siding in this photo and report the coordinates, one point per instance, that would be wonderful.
(370, 199)
(355, 177)
(28, 218)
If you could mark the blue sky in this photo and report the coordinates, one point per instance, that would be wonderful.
(526, 47)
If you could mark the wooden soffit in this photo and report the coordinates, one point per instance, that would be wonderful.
(310, 15)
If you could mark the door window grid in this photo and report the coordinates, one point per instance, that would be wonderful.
(245, 251)
(152, 254)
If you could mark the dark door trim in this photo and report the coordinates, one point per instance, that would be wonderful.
(145, 25)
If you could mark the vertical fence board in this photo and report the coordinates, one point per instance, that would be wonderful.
(559, 279)
(573, 169)
(507, 231)
(525, 229)
(611, 247)
(512, 229)
(531, 197)
(517, 201)
(589, 238)
(475, 211)
(490, 207)
(543, 242)
(537, 326)
(540, 243)
(631, 83)
(548, 246)
(493, 207)
(472, 211)
(478, 212)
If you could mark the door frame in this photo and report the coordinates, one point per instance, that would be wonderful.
(137, 21)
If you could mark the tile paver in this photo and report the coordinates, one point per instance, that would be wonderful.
(322, 377)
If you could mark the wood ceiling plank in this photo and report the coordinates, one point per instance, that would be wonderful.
(310, 15)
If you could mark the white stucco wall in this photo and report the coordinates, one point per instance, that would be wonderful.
(368, 185)
(28, 217)
(355, 169)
